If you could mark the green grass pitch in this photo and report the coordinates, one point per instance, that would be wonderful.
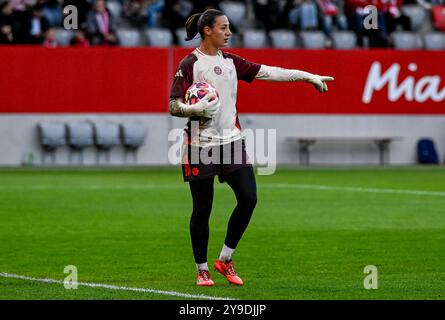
(312, 234)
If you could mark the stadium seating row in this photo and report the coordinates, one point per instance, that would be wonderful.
(79, 135)
(284, 39)
(238, 13)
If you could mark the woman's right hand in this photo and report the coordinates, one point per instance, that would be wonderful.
(205, 108)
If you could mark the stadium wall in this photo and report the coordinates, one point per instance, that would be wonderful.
(375, 93)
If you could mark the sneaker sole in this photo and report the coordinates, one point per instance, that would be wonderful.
(205, 285)
(222, 273)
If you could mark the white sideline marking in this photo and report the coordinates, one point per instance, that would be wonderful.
(356, 189)
(111, 287)
(95, 187)
(182, 185)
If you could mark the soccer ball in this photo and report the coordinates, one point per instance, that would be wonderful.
(197, 91)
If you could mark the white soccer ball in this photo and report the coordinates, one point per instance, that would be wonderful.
(198, 90)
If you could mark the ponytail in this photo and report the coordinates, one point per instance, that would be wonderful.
(191, 26)
(195, 23)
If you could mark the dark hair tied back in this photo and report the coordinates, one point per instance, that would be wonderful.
(196, 22)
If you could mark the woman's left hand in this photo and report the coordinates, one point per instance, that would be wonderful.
(319, 82)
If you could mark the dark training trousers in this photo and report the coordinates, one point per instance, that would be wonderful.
(242, 182)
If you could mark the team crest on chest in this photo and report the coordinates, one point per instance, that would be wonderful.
(217, 70)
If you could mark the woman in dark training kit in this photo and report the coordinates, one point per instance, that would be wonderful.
(213, 127)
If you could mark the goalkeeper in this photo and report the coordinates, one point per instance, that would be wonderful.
(213, 127)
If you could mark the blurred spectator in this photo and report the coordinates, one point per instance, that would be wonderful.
(6, 35)
(37, 25)
(200, 6)
(8, 24)
(50, 40)
(83, 7)
(154, 10)
(52, 10)
(272, 14)
(21, 16)
(428, 4)
(136, 12)
(101, 25)
(331, 12)
(437, 9)
(143, 12)
(20, 5)
(438, 16)
(304, 15)
(175, 14)
(393, 15)
(79, 40)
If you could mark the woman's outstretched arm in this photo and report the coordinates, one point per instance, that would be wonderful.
(280, 74)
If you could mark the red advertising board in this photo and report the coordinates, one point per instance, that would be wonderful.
(123, 80)
(78, 80)
(366, 82)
